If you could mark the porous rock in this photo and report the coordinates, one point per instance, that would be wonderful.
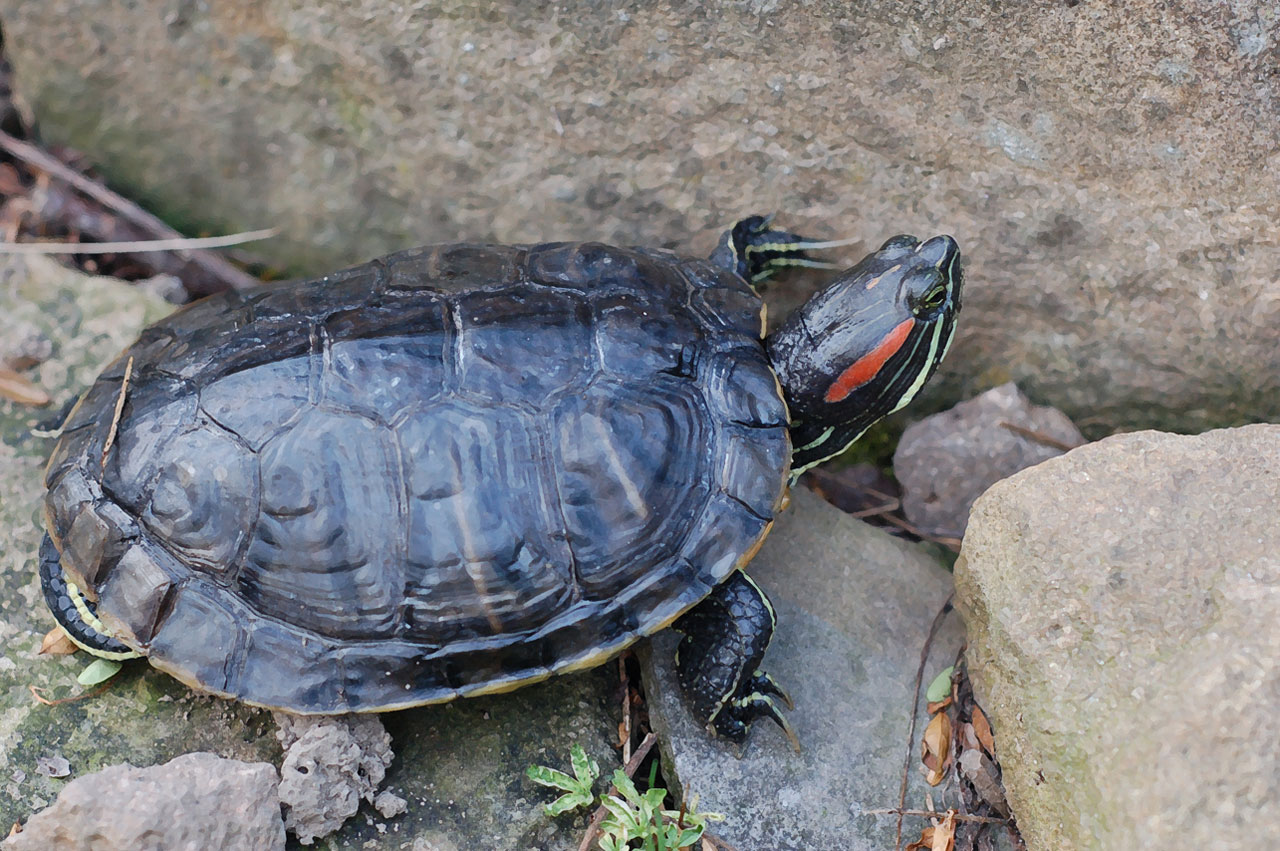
(195, 802)
(944, 462)
(1123, 610)
(330, 763)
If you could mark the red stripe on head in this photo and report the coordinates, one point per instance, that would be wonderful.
(865, 368)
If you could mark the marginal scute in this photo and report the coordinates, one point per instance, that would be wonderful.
(197, 641)
(133, 596)
(283, 666)
(452, 268)
(66, 499)
(750, 460)
(725, 531)
(92, 543)
(388, 675)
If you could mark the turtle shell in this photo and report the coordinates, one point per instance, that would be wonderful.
(447, 472)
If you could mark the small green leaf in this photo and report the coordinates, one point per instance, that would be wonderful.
(940, 688)
(545, 776)
(98, 671)
(586, 769)
(567, 803)
(624, 785)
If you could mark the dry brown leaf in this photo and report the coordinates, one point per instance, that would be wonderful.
(944, 835)
(981, 772)
(19, 389)
(15, 830)
(934, 708)
(937, 748)
(56, 643)
(982, 730)
(924, 843)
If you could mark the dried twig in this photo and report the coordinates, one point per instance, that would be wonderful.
(932, 814)
(629, 769)
(1039, 436)
(216, 266)
(137, 246)
(945, 540)
(115, 418)
(626, 709)
(915, 701)
(40, 698)
(875, 511)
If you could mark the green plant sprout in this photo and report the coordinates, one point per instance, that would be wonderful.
(577, 789)
(634, 821)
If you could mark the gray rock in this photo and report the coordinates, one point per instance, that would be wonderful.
(192, 803)
(854, 608)
(1110, 169)
(946, 461)
(1123, 604)
(330, 763)
(460, 767)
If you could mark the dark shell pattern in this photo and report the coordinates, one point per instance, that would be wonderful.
(450, 471)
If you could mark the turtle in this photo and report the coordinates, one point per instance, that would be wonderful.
(460, 469)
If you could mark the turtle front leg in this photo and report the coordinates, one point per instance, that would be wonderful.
(754, 251)
(718, 660)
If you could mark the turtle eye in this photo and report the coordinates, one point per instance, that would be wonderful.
(931, 300)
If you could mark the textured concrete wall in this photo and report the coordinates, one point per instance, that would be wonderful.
(1112, 170)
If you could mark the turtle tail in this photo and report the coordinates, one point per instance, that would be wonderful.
(75, 612)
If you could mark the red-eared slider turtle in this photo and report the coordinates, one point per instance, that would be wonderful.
(464, 468)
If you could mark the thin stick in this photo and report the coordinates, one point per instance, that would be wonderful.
(216, 266)
(629, 769)
(948, 542)
(135, 247)
(626, 708)
(879, 509)
(1039, 436)
(115, 419)
(915, 701)
(40, 698)
(932, 814)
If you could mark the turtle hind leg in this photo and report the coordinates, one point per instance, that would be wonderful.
(73, 611)
(754, 251)
(718, 660)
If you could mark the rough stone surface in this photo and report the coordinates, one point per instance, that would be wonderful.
(854, 608)
(1123, 604)
(192, 803)
(1110, 169)
(945, 462)
(330, 763)
(460, 767)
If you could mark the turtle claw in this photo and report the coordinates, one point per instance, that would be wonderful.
(765, 684)
(737, 717)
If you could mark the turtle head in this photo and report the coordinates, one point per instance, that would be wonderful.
(864, 346)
